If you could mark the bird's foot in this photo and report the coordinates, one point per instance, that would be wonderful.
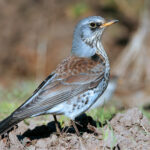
(58, 130)
(75, 127)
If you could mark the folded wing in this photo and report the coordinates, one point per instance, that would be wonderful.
(71, 78)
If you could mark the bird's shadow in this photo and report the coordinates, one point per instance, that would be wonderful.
(45, 131)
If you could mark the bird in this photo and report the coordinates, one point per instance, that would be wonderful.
(76, 83)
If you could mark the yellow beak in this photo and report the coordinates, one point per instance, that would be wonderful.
(108, 23)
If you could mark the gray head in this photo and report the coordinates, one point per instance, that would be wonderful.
(87, 35)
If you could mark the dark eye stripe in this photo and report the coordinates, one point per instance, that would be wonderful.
(98, 24)
(95, 25)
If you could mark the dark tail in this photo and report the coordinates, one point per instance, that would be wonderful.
(7, 124)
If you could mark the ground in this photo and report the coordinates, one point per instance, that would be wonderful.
(126, 131)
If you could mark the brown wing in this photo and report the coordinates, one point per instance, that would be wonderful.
(72, 77)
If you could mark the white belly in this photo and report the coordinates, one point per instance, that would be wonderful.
(79, 104)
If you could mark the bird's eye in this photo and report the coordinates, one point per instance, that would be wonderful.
(93, 25)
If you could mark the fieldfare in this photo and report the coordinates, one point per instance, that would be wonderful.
(77, 82)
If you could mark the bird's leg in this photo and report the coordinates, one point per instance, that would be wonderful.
(57, 125)
(75, 127)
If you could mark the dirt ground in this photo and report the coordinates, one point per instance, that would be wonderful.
(126, 131)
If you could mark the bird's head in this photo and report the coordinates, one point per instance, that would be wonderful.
(87, 33)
